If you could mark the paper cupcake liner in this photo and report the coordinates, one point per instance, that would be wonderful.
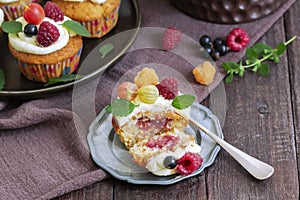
(42, 72)
(14, 12)
(101, 27)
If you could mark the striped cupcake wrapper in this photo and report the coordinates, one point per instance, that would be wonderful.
(42, 72)
(101, 27)
(14, 12)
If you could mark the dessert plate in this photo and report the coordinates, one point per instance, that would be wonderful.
(17, 86)
(109, 153)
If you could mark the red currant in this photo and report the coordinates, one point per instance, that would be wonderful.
(34, 13)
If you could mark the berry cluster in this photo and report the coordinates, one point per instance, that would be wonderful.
(186, 165)
(147, 88)
(236, 40)
(45, 32)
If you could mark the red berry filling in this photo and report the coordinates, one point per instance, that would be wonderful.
(237, 39)
(189, 163)
(47, 34)
(167, 141)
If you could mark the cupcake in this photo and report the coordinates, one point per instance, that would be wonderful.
(154, 131)
(13, 9)
(44, 48)
(98, 16)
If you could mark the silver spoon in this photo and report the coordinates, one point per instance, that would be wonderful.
(255, 167)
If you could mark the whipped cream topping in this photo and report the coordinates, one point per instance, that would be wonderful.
(8, 1)
(22, 43)
(161, 104)
(94, 1)
(156, 164)
(1, 16)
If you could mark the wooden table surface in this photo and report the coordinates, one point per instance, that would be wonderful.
(262, 119)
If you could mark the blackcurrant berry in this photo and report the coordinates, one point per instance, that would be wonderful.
(30, 30)
(215, 55)
(205, 40)
(218, 41)
(207, 48)
(222, 49)
(170, 162)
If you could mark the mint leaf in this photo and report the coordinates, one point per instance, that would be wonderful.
(229, 78)
(2, 79)
(76, 27)
(105, 49)
(65, 78)
(183, 101)
(251, 54)
(280, 49)
(264, 70)
(120, 107)
(260, 48)
(11, 27)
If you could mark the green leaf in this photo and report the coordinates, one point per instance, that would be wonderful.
(2, 79)
(120, 107)
(251, 54)
(229, 78)
(280, 49)
(230, 65)
(12, 27)
(259, 48)
(105, 49)
(183, 101)
(264, 70)
(76, 27)
(65, 78)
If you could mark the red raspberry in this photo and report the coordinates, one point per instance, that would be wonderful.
(47, 34)
(168, 88)
(171, 38)
(189, 163)
(53, 11)
(237, 39)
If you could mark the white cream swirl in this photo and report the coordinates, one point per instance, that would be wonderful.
(156, 164)
(94, 1)
(1, 16)
(22, 43)
(8, 1)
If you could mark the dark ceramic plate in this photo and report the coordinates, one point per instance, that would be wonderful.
(17, 86)
(110, 154)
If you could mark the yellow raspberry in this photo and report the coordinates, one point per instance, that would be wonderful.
(204, 73)
(145, 77)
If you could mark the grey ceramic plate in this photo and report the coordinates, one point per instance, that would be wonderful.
(17, 86)
(110, 154)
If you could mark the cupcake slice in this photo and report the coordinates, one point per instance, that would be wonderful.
(153, 131)
(13, 9)
(44, 49)
(98, 16)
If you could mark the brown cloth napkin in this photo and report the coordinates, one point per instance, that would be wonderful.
(41, 150)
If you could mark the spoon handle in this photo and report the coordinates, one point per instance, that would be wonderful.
(255, 167)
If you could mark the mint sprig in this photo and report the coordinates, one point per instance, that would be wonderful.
(11, 27)
(65, 78)
(76, 27)
(255, 60)
(120, 107)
